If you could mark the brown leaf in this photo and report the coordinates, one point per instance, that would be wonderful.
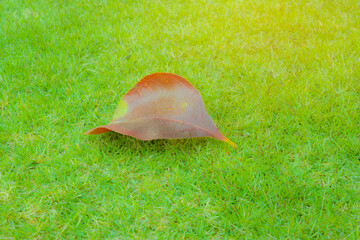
(162, 105)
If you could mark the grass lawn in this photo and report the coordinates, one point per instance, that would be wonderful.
(280, 78)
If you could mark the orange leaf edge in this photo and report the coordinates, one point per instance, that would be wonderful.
(98, 130)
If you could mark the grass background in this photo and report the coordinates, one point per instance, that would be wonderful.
(279, 78)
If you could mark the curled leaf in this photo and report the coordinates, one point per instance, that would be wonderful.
(162, 105)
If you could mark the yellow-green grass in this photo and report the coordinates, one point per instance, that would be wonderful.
(279, 78)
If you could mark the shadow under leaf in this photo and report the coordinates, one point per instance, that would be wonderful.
(115, 143)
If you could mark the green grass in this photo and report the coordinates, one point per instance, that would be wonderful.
(280, 78)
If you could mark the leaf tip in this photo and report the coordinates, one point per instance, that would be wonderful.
(230, 142)
(98, 130)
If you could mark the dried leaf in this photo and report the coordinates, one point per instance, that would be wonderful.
(162, 105)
